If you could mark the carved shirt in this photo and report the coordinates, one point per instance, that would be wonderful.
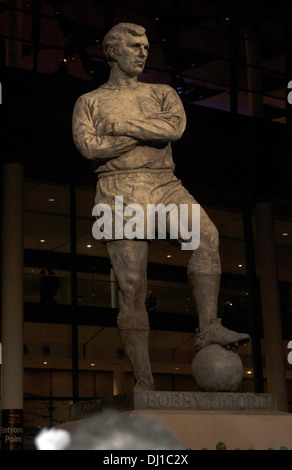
(128, 128)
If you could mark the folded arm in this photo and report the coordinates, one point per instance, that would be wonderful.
(89, 143)
(164, 126)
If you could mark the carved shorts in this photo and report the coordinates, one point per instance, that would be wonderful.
(157, 187)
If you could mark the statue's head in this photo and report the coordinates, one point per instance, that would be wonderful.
(124, 41)
(116, 35)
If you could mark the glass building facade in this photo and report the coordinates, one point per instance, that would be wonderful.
(231, 70)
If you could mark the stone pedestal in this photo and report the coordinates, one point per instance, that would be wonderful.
(182, 401)
(242, 430)
(202, 420)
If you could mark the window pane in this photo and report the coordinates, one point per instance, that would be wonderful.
(47, 217)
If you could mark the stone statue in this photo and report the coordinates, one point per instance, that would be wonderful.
(126, 128)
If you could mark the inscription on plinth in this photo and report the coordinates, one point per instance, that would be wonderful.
(195, 401)
(221, 401)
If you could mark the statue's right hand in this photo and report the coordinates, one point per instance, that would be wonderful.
(105, 128)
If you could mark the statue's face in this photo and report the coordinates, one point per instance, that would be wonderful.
(132, 54)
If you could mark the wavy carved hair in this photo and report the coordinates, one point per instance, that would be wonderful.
(115, 36)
